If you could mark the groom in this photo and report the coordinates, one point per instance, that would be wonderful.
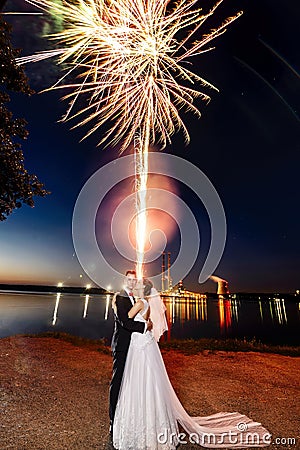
(121, 338)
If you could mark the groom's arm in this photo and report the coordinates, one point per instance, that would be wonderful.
(125, 321)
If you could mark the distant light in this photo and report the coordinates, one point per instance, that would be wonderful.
(108, 288)
(297, 291)
(88, 286)
(80, 275)
(60, 284)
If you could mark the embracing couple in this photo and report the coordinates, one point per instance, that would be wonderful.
(144, 409)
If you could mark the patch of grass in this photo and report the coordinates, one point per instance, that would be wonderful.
(193, 346)
(94, 344)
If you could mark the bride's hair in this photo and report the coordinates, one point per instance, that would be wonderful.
(148, 285)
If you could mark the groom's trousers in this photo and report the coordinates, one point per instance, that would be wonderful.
(119, 360)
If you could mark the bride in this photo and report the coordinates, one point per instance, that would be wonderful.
(148, 410)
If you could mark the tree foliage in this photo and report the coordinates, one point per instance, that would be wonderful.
(17, 186)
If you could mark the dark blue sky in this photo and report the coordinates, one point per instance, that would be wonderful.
(247, 143)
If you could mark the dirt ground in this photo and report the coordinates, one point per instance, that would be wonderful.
(54, 395)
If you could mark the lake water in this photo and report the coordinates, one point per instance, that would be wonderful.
(271, 321)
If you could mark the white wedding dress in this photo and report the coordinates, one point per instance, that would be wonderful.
(148, 410)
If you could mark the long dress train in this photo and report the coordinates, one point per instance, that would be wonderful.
(148, 409)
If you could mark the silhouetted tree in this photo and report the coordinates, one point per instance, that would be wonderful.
(17, 186)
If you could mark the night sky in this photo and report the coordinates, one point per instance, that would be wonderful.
(247, 143)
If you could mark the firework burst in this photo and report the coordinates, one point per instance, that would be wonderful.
(131, 64)
(131, 67)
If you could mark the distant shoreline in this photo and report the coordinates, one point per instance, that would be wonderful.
(101, 291)
(52, 289)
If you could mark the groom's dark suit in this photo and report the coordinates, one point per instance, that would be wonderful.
(119, 346)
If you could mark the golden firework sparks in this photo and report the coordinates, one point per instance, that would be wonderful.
(130, 63)
(131, 66)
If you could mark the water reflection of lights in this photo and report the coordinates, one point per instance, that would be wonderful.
(56, 308)
(260, 310)
(181, 310)
(271, 311)
(201, 310)
(107, 307)
(185, 309)
(173, 310)
(228, 313)
(85, 308)
(279, 313)
(235, 310)
(86, 303)
(277, 310)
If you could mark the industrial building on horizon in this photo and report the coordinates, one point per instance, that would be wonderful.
(179, 290)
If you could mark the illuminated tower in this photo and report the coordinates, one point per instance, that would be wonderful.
(222, 285)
